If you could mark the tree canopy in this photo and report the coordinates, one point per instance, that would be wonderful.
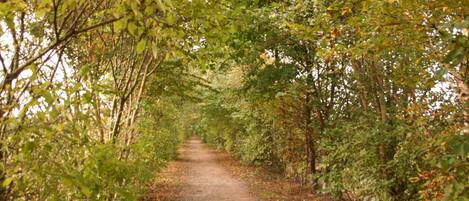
(357, 99)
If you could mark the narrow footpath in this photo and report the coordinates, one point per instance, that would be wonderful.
(208, 180)
(204, 174)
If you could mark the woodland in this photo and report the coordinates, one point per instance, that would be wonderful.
(354, 99)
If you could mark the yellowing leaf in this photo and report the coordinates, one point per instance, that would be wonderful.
(7, 182)
(120, 25)
(141, 45)
(346, 11)
(132, 27)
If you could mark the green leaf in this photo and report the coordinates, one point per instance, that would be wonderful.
(440, 73)
(134, 7)
(120, 25)
(40, 13)
(161, 5)
(132, 27)
(27, 106)
(67, 180)
(141, 45)
(86, 190)
(149, 10)
(453, 54)
(171, 19)
(7, 182)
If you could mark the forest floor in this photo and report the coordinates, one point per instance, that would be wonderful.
(201, 173)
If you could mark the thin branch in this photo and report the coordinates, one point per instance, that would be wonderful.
(75, 23)
(55, 7)
(59, 59)
(15, 73)
(5, 70)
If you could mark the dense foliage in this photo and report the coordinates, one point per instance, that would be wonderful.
(363, 100)
(76, 78)
(357, 99)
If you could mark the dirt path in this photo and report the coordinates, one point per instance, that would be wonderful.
(201, 173)
(207, 179)
(197, 175)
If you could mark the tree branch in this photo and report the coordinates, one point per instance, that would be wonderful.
(16, 72)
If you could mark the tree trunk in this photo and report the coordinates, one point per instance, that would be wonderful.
(309, 138)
